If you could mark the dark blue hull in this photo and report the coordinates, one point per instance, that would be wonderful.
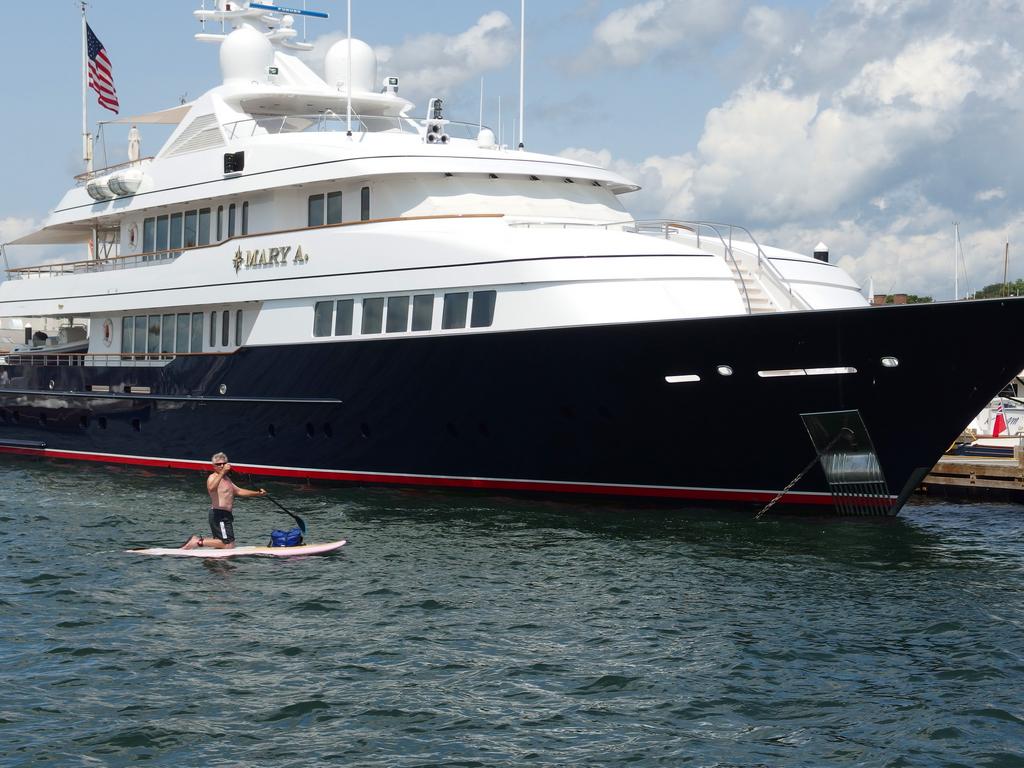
(583, 410)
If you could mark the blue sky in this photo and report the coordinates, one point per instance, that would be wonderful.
(870, 124)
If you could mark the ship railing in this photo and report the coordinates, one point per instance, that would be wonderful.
(330, 122)
(724, 235)
(164, 257)
(94, 265)
(70, 359)
(82, 178)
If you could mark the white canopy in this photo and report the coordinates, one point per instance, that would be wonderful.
(171, 116)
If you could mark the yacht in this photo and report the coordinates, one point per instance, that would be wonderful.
(330, 284)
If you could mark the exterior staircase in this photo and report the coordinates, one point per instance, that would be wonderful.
(757, 299)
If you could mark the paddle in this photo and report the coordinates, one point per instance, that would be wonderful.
(298, 520)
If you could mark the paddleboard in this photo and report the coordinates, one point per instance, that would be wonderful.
(304, 549)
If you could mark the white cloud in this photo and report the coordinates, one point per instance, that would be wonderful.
(996, 193)
(434, 64)
(437, 64)
(632, 35)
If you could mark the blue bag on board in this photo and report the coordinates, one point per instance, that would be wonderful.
(292, 538)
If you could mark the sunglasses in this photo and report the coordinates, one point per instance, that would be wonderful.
(219, 463)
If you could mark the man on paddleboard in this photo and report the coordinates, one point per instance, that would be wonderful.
(222, 501)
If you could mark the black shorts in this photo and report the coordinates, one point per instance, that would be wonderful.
(222, 525)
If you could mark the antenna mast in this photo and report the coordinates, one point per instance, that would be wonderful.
(522, 68)
(348, 83)
(956, 260)
(86, 149)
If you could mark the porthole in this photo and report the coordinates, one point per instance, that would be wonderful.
(310, 430)
(328, 430)
(83, 422)
(271, 431)
(364, 430)
(724, 370)
(223, 389)
(890, 362)
(52, 384)
(136, 425)
(102, 422)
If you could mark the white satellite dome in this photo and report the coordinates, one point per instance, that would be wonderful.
(364, 66)
(245, 55)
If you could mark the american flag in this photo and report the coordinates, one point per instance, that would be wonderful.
(101, 79)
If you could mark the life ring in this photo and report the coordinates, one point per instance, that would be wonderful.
(108, 332)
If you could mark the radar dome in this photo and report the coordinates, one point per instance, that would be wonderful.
(364, 66)
(245, 55)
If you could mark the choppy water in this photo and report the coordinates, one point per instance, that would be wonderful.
(463, 631)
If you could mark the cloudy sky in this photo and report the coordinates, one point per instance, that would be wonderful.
(870, 124)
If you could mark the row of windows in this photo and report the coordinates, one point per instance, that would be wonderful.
(326, 208)
(188, 229)
(176, 333)
(392, 314)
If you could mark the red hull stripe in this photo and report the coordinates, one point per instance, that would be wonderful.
(647, 491)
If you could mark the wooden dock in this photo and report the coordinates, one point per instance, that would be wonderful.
(974, 477)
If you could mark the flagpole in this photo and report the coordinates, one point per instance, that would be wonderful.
(86, 154)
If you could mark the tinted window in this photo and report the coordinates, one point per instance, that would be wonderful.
(225, 330)
(322, 318)
(167, 339)
(197, 332)
(373, 315)
(364, 204)
(231, 220)
(220, 223)
(343, 318)
(245, 218)
(398, 314)
(204, 226)
(153, 341)
(238, 328)
(140, 333)
(127, 327)
(315, 215)
(149, 235)
(334, 208)
(183, 333)
(213, 330)
(483, 308)
(191, 228)
(175, 230)
(161, 233)
(422, 312)
(454, 314)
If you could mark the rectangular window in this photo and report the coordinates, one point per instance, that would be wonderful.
(153, 340)
(334, 207)
(231, 220)
(483, 308)
(149, 235)
(225, 330)
(183, 333)
(161, 233)
(398, 314)
(213, 330)
(245, 218)
(343, 318)
(220, 223)
(373, 315)
(454, 312)
(422, 312)
(167, 338)
(315, 211)
(191, 229)
(364, 208)
(204, 226)
(139, 345)
(238, 328)
(322, 318)
(176, 231)
(127, 328)
(197, 332)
